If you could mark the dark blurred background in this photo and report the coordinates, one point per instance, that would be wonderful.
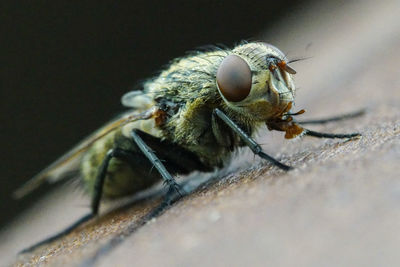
(64, 67)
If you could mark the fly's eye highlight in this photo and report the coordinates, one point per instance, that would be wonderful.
(234, 78)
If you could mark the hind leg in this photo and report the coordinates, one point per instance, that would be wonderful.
(98, 189)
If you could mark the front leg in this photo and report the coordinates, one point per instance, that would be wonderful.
(256, 148)
(332, 119)
(329, 135)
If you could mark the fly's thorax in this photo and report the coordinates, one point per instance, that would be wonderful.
(187, 74)
(254, 81)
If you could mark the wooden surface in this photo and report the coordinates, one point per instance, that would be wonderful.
(340, 206)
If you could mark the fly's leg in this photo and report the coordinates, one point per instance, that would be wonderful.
(332, 119)
(330, 135)
(256, 148)
(174, 191)
(173, 186)
(65, 232)
(101, 176)
(98, 190)
(336, 118)
(173, 194)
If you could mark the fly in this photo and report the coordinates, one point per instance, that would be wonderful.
(192, 116)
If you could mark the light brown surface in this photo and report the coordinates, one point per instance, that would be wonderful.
(339, 207)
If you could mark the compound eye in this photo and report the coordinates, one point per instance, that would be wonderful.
(234, 78)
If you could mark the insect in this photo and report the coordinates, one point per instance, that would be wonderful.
(192, 116)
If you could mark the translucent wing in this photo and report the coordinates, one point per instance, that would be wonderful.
(137, 100)
(70, 161)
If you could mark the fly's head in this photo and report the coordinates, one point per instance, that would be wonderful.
(256, 82)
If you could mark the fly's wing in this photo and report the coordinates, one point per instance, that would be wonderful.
(137, 99)
(71, 160)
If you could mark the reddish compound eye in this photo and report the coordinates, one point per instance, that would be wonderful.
(234, 78)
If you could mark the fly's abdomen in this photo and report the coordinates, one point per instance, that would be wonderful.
(123, 178)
